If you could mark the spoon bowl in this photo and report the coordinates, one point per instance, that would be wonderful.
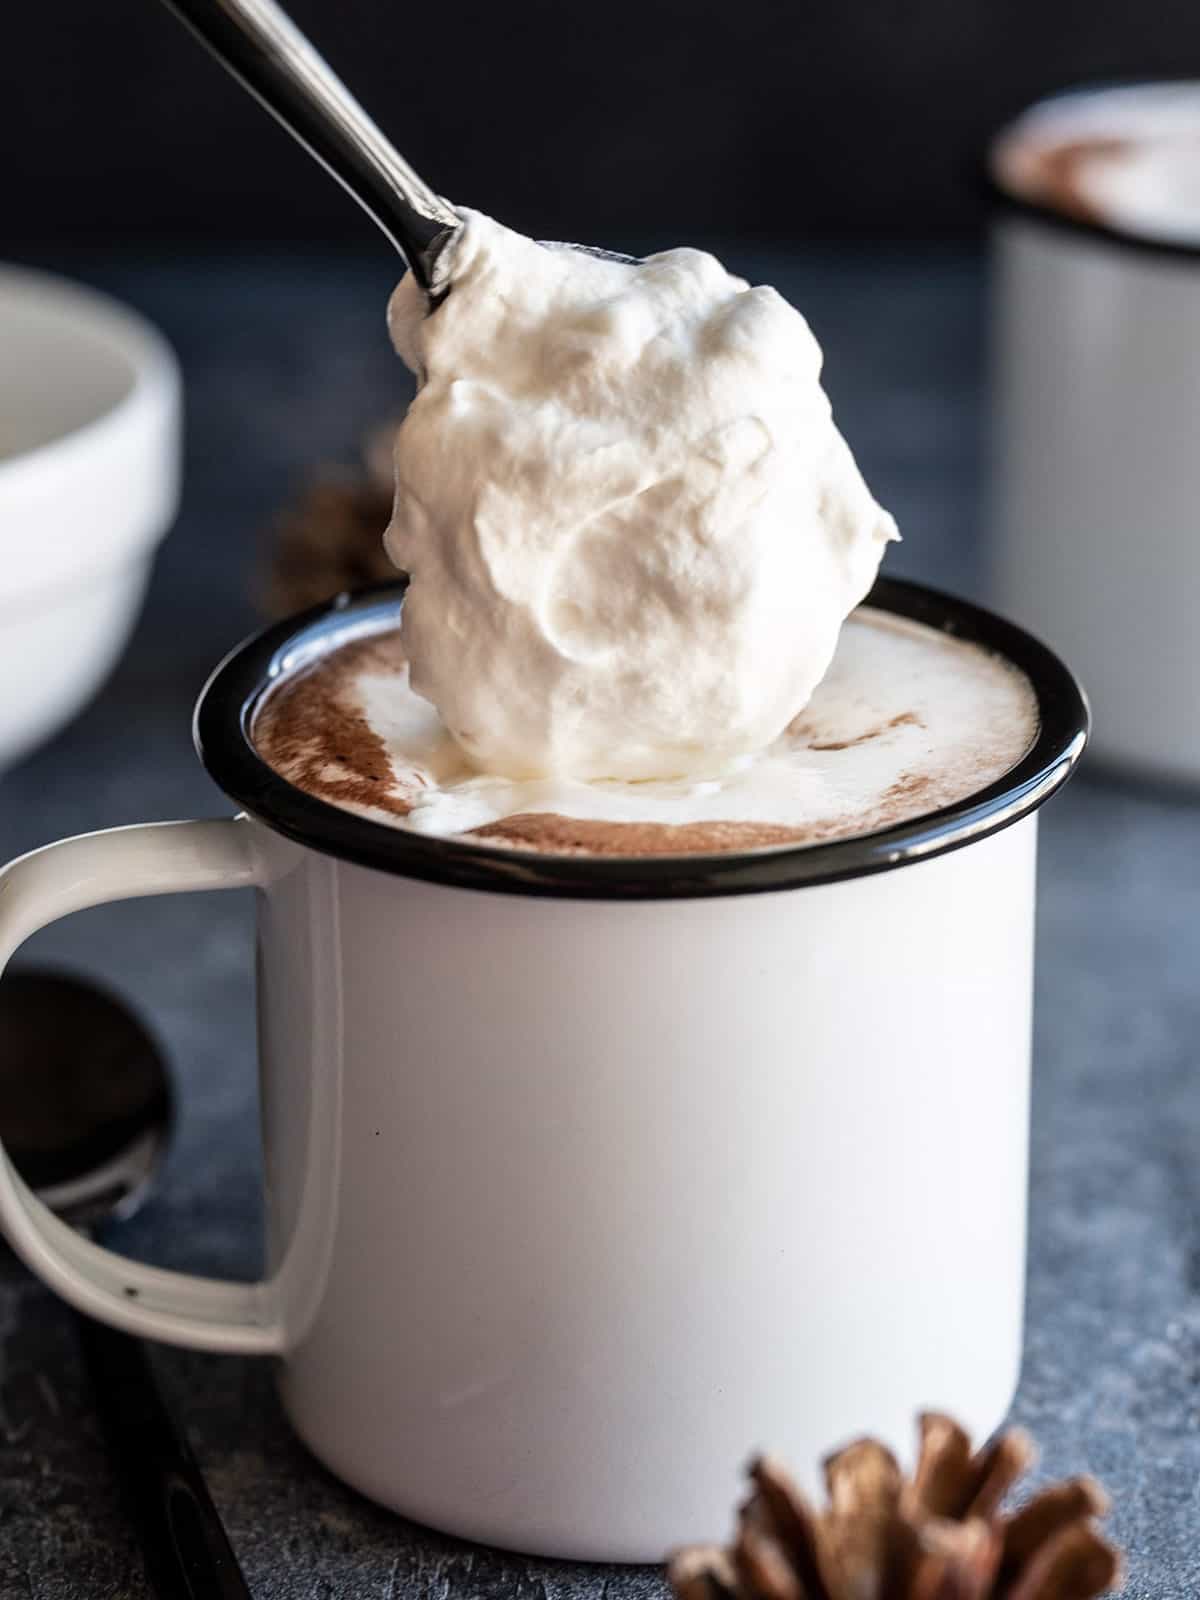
(86, 1109)
(88, 1127)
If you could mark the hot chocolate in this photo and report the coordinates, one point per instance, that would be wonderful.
(632, 534)
(907, 720)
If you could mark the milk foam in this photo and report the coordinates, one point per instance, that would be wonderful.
(906, 720)
(1129, 157)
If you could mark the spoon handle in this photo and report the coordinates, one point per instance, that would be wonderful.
(262, 47)
(185, 1546)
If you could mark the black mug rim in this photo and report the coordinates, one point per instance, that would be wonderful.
(228, 702)
(1006, 202)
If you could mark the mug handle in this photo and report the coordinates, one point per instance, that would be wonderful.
(36, 889)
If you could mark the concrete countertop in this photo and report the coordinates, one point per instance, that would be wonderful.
(286, 363)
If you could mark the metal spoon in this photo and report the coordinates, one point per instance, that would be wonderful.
(86, 1112)
(263, 48)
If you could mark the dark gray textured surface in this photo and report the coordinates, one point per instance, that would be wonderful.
(286, 362)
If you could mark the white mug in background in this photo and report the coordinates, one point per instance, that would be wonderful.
(587, 1176)
(1095, 515)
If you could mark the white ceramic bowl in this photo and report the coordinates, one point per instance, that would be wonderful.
(89, 483)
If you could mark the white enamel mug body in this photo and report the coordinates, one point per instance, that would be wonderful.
(587, 1178)
(1095, 514)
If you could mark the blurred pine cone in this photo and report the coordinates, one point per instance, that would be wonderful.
(331, 537)
(937, 1536)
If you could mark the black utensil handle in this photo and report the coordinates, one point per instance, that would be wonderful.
(187, 1551)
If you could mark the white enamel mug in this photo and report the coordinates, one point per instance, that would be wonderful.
(587, 1177)
(1095, 514)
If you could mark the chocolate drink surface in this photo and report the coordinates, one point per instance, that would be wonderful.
(907, 720)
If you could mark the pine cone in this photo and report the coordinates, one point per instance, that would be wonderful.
(939, 1536)
(331, 538)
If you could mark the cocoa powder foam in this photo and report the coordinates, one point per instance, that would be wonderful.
(1127, 158)
(906, 720)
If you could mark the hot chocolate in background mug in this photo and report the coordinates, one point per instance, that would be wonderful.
(586, 1175)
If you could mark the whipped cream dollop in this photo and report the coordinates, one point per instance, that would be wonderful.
(632, 529)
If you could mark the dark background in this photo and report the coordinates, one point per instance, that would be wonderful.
(770, 119)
